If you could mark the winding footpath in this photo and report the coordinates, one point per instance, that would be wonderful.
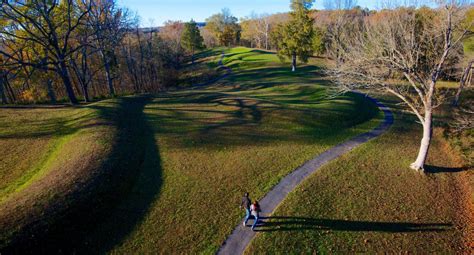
(241, 236)
(228, 71)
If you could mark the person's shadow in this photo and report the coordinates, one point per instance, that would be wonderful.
(281, 223)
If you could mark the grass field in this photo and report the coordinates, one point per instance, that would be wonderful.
(215, 143)
(30, 138)
(369, 201)
(54, 201)
(165, 173)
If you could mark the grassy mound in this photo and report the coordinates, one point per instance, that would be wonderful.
(52, 205)
(30, 137)
(216, 142)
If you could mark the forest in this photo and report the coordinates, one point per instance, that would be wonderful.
(84, 50)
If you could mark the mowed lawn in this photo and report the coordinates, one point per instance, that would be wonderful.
(60, 166)
(215, 143)
(29, 138)
(169, 170)
(369, 201)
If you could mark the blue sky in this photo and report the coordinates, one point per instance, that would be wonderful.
(199, 10)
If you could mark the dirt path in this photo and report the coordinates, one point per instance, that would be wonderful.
(241, 236)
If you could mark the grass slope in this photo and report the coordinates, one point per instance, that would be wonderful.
(369, 201)
(81, 179)
(26, 149)
(216, 142)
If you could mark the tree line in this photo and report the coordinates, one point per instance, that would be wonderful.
(85, 49)
(52, 50)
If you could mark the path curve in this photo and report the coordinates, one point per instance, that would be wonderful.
(228, 71)
(241, 236)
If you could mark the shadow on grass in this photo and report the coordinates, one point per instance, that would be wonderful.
(200, 57)
(102, 213)
(439, 169)
(208, 53)
(36, 128)
(279, 223)
(139, 185)
(225, 119)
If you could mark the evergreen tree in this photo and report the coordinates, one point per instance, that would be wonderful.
(191, 38)
(297, 36)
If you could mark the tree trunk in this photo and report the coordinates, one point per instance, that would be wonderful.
(10, 90)
(49, 82)
(462, 83)
(64, 73)
(109, 79)
(2, 90)
(49, 86)
(293, 62)
(425, 142)
(85, 91)
(267, 28)
(108, 75)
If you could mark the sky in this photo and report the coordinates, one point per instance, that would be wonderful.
(155, 12)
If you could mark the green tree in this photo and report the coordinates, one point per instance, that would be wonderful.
(318, 41)
(297, 36)
(191, 38)
(224, 27)
(230, 35)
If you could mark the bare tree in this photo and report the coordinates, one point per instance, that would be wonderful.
(48, 25)
(3, 77)
(49, 82)
(339, 4)
(82, 71)
(463, 118)
(256, 29)
(466, 80)
(110, 25)
(409, 44)
(340, 31)
(173, 33)
(263, 29)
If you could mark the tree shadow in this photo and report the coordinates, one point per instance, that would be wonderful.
(281, 223)
(102, 213)
(136, 189)
(245, 114)
(207, 53)
(53, 127)
(429, 169)
(220, 118)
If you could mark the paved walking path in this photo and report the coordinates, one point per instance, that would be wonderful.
(241, 237)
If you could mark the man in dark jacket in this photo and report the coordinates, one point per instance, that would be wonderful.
(246, 205)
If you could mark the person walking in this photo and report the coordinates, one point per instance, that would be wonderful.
(255, 210)
(246, 205)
